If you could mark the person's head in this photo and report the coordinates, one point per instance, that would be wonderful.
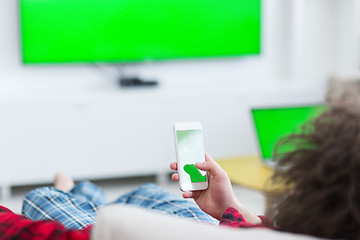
(320, 178)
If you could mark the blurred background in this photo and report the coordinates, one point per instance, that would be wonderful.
(73, 115)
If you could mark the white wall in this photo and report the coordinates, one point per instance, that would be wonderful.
(325, 39)
(347, 38)
(169, 73)
(302, 39)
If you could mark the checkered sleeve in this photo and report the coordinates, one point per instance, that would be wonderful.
(232, 218)
(14, 226)
(150, 196)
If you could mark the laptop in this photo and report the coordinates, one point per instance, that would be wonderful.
(274, 122)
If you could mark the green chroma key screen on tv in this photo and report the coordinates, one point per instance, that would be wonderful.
(271, 124)
(66, 31)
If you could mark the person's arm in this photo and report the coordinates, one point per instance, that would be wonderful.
(232, 218)
(219, 196)
(18, 226)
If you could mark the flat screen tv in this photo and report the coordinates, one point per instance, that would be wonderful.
(93, 31)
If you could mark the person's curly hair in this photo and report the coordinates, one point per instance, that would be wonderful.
(320, 178)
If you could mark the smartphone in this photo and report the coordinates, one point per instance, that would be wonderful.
(189, 147)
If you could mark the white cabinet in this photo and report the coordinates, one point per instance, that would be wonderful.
(110, 136)
(87, 141)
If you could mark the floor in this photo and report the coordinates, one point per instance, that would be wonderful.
(113, 188)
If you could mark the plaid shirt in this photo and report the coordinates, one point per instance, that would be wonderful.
(14, 226)
(232, 218)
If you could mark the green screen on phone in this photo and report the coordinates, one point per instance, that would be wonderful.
(190, 150)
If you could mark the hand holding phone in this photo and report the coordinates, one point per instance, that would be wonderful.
(219, 195)
(189, 150)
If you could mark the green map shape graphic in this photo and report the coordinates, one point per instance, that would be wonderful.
(194, 173)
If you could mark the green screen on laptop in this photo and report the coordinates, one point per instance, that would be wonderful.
(273, 123)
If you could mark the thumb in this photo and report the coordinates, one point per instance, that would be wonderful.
(210, 166)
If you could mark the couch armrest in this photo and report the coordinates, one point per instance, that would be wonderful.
(129, 223)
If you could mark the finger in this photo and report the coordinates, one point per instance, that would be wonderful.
(210, 166)
(173, 166)
(175, 177)
(188, 194)
(194, 194)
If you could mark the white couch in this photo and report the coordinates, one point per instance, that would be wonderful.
(128, 223)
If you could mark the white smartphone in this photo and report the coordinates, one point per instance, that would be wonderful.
(189, 147)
